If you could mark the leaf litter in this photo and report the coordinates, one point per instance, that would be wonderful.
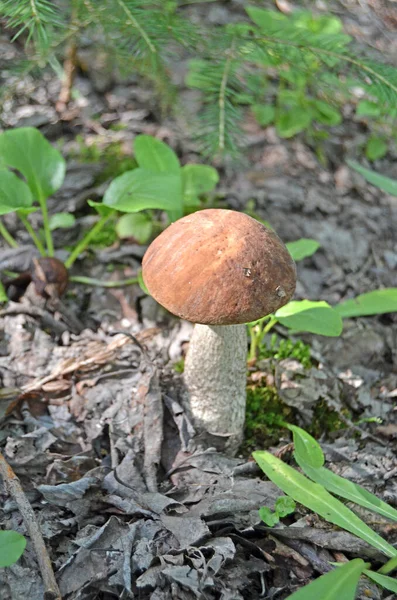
(93, 425)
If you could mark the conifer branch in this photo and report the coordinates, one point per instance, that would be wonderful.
(133, 21)
(222, 98)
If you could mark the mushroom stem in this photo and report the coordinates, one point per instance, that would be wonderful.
(215, 378)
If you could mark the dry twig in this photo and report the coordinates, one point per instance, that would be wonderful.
(14, 488)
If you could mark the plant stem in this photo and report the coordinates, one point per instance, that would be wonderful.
(82, 245)
(389, 566)
(32, 234)
(269, 325)
(7, 236)
(100, 283)
(256, 336)
(46, 225)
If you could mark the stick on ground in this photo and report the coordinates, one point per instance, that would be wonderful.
(15, 490)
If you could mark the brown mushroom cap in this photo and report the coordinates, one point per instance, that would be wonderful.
(219, 267)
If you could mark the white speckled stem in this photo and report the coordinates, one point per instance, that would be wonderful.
(215, 378)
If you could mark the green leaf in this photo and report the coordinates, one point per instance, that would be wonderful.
(302, 248)
(154, 155)
(325, 24)
(377, 302)
(62, 221)
(135, 225)
(14, 193)
(197, 180)
(326, 113)
(101, 208)
(12, 545)
(317, 499)
(3, 294)
(293, 121)
(376, 148)
(268, 517)
(25, 212)
(339, 584)
(380, 181)
(142, 284)
(284, 506)
(366, 108)
(141, 189)
(344, 488)
(265, 19)
(314, 317)
(306, 447)
(264, 113)
(28, 151)
(389, 583)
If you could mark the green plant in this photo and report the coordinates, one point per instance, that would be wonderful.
(309, 57)
(317, 493)
(284, 506)
(281, 349)
(157, 183)
(12, 545)
(134, 35)
(318, 316)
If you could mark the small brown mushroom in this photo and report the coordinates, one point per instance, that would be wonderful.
(219, 269)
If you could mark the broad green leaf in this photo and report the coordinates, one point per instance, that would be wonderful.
(268, 517)
(302, 248)
(314, 317)
(3, 295)
(345, 489)
(25, 212)
(316, 498)
(306, 447)
(376, 148)
(197, 180)
(154, 155)
(389, 583)
(325, 24)
(101, 208)
(141, 189)
(366, 108)
(267, 20)
(339, 584)
(12, 545)
(135, 225)
(28, 151)
(293, 121)
(264, 113)
(383, 183)
(62, 221)
(326, 113)
(284, 506)
(377, 302)
(14, 193)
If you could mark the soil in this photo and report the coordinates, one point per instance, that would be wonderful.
(91, 421)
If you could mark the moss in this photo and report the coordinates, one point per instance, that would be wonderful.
(179, 366)
(280, 349)
(326, 420)
(112, 156)
(264, 416)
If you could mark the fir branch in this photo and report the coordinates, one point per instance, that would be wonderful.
(384, 75)
(222, 98)
(36, 17)
(133, 21)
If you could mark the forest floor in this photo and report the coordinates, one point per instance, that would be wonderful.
(126, 506)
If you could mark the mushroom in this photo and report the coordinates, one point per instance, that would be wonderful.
(218, 269)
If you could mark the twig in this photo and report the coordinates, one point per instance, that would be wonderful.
(14, 488)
